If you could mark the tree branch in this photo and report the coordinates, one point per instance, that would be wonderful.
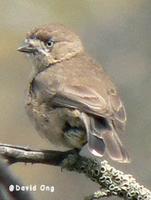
(111, 181)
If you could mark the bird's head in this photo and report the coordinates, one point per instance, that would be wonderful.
(50, 44)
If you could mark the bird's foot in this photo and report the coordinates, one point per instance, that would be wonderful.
(70, 160)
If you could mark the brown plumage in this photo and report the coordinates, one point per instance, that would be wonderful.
(71, 99)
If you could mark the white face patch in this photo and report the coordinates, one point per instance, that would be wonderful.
(39, 57)
(44, 51)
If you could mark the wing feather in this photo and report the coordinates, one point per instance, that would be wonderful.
(85, 99)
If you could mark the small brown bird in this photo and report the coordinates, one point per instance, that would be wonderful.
(71, 99)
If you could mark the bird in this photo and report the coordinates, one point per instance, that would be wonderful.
(71, 100)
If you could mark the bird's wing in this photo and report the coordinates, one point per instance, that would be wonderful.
(83, 98)
(89, 101)
(109, 116)
(106, 114)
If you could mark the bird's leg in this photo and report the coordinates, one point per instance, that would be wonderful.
(74, 130)
(71, 158)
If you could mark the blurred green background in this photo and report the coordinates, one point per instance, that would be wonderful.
(117, 33)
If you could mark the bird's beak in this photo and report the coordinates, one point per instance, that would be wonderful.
(27, 48)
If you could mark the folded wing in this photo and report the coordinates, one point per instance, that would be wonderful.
(102, 116)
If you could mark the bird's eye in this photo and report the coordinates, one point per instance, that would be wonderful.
(50, 43)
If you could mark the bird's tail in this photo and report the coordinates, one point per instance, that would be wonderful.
(102, 138)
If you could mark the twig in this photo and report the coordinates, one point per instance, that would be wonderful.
(111, 180)
(15, 154)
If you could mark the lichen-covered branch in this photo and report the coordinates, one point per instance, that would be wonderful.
(112, 182)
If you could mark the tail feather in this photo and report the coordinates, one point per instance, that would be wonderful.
(96, 145)
(102, 138)
(114, 147)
